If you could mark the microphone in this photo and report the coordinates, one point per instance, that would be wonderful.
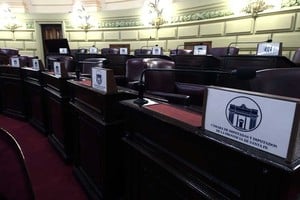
(232, 43)
(243, 74)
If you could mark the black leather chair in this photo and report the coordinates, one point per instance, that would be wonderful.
(277, 81)
(181, 52)
(6, 53)
(15, 182)
(69, 62)
(110, 51)
(139, 52)
(223, 51)
(87, 64)
(296, 57)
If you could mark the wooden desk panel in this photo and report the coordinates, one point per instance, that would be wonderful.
(58, 121)
(12, 100)
(165, 159)
(96, 125)
(35, 101)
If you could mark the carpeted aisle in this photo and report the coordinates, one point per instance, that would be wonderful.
(52, 179)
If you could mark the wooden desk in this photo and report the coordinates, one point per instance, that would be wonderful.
(57, 103)
(169, 159)
(256, 62)
(34, 96)
(96, 122)
(12, 99)
(196, 62)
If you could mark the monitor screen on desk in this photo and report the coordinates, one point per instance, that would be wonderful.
(57, 46)
(269, 49)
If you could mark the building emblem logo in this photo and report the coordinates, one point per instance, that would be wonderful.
(99, 78)
(243, 114)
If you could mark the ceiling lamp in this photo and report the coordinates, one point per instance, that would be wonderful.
(10, 21)
(156, 12)
(81, 18)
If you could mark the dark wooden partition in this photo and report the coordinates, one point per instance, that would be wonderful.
(34, 98)
(167, 158)
(12, 99)
(58, 120)
(96, 124)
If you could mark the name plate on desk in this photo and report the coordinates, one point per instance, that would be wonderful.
(104, 80)
(15, 61)
(265, 122)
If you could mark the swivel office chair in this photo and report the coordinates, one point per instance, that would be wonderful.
(15, 181)
(296, 57)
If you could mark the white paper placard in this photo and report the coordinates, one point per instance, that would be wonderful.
(261, 122)
(99, 77)
(93, 50)
(63, 50)
(15, 62)
(200, 50)
(156, 50)
(35, 64)
(57, 69)
(268, 49)
(123, 51)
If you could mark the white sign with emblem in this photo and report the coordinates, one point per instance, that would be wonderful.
(269, 49)
(259, 121)
(99, 78)
(15, 62)
(123, 51)
(57, 69)
(103, 80)
(35, 64)
(200, 50)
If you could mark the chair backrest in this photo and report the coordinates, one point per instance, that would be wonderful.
(138, 52)
(15, 181)
(162, 81)
(23, 60)
(134, 69)
(223, 51)
(88, 63)
(9, 51)
(110, 51)
(296, 57)
(68, 61)
(277, 81)
(181, 52)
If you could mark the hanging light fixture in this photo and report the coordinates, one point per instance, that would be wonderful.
(253, 7)
(9, 20)
(81, 18)
(156, 12)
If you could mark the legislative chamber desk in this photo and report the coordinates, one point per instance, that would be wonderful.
(255, 62)
(34, 98)
(12, 98)
(96, 122)
(169, 156)
(57, 108)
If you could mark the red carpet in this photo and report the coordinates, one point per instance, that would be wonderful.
(52, 179)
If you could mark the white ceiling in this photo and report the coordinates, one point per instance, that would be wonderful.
(65, 6)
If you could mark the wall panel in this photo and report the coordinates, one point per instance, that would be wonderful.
(111, 35)
(166, 33)
(214, 29)
(23, 35)
(129, 35)
(188, 31)
(275, 23)
(77, 36)
(243, 26)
